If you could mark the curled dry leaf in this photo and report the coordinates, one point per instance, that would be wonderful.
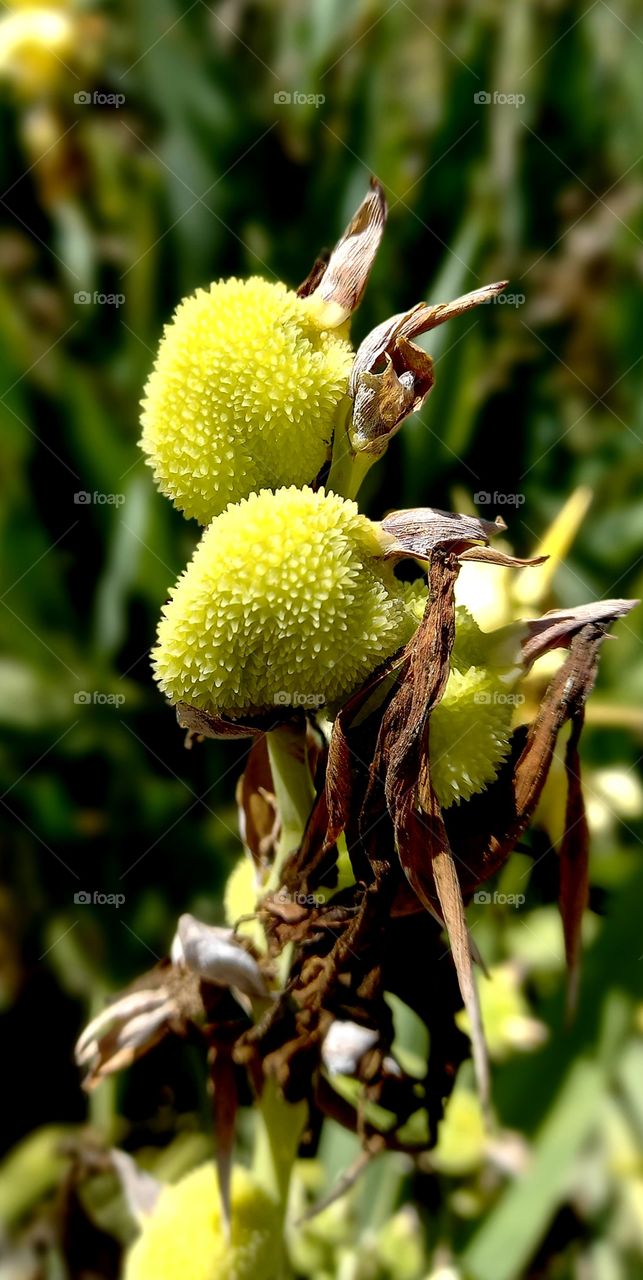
(573, 893)
(259, 821)
(162, 1002)
(339, 282)
(392, 376)
(489, 555)
(556, 629)
(215, 955)
(200, 724)
(421, 530)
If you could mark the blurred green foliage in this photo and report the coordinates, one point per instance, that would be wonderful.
(201, 172)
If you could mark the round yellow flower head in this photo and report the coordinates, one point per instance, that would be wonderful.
(470, 733)
(244, 394)
(286, 602)
(184, 1236)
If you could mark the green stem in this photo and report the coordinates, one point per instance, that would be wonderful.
(279, 1123)
(277, 1136)
(347, 472)
(347, 468)
(294, 790)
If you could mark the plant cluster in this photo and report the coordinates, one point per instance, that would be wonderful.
(397, 752)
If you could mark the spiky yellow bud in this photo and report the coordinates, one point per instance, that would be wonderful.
(244, 394)
(470, 729)
(469, 733)
(286, 602)
(185, 1237)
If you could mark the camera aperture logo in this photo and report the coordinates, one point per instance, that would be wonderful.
(498, 99)
(296, 98)
(285, 699)
(95, 898)
(484, 898)
(499, 699)
(85, 298)
(95, 698)
(83, 498)
(483, 498)
(94, 98)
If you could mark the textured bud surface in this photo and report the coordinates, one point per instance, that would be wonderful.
(286, 602)
(470, 729)
(469, 733)
(243, 395)
(184, 1236)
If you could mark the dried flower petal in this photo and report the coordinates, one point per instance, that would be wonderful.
(384, 397)
(345, 1044)
(216, 956)
(339, 283)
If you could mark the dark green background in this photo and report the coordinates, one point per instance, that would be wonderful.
(200, 174)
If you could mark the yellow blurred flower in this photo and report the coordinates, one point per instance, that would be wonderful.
(184, 1236)
(35, 43)
(508, 1022)
(462, 1136)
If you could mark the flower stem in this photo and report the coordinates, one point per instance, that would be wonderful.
(347, 468)
(277, 1136)
(294, 790)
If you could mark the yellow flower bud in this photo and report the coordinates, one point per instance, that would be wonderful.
(244, 394)
(470, 729)
(185, 1237)
(469, 733)
(286, 602)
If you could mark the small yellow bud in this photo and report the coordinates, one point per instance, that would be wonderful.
(469, 733)
(470, 729)
(286, 602)
(184, 1236)
(244, 394)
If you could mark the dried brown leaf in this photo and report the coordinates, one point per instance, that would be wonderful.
(419, 531)
(489, 555)
(556, 629)
(259, 823)
(341, 280)
(574, 862)
(201, 724)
